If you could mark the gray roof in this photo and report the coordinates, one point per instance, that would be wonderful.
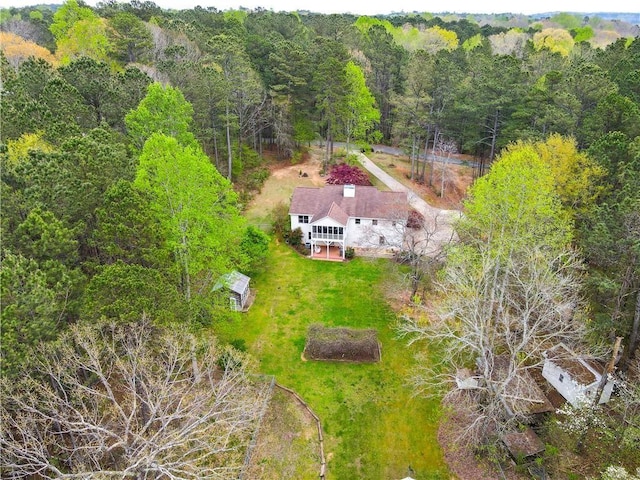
(329, 201)
(234, 281)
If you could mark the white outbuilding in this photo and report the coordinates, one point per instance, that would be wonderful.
(575, 378)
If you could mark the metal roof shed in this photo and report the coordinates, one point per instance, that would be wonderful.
(238, 286)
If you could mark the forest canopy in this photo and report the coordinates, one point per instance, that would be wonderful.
(133, 138)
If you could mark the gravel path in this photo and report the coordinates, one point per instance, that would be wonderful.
(439, 218)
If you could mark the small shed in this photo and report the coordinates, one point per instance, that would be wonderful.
(574, 377)
(523, 444)
(466, 380)
(237, 285)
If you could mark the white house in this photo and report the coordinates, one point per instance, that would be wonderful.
(573, 377)
(348, 216)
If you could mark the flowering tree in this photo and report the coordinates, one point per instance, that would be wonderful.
(614, 472)
(582, 418)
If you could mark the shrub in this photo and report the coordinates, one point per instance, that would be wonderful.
(254, 246)
(257, 178)
(231, 358)
(339, 153)
(344, 174)
(239, 344)
(297, 157)
(352, 159)
(281, 222)
(295, 237)
(349, 253)
(415, 219)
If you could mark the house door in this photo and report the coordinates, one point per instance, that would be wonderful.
(233, 303)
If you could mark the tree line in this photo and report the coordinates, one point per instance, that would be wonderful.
(287, 78)
(116, 227)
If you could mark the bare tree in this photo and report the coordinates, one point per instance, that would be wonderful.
(509, 43)
(509, 292)
(416, 241)
(419, 249)
(498, 316)
(445, 149)
(130, 402)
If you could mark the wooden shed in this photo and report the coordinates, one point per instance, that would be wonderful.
(523, 444)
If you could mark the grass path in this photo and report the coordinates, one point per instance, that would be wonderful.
(374, 428)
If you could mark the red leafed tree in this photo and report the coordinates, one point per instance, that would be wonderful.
(344, 174)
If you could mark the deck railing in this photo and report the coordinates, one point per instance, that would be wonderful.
(327, 236)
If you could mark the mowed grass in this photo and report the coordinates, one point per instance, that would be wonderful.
(374, 427)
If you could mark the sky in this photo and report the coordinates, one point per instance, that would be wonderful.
(372, 7)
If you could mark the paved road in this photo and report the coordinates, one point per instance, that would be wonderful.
(436, 219)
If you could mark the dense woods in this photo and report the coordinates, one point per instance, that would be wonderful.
(132, 138)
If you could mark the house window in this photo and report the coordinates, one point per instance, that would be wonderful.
(374, 222)
(310, 235)
(357, 221)
(561, 378)
(303, 218)
(381, 240)
(341, 230)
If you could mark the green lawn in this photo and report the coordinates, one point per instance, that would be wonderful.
(374, 428)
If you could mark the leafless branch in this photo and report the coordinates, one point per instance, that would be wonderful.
(129, 402)
(499, 314)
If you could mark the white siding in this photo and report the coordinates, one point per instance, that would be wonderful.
(569, 388)
(305, 227)
(364, 235)
(327, 221)
(367, 235)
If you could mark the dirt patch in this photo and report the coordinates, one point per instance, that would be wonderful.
(307, 171)
(283, 179)
(457, 179)
(342, 344)
(287, 445)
